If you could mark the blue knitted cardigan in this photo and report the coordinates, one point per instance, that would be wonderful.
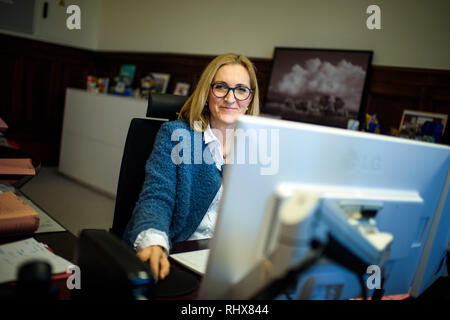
(175, 197)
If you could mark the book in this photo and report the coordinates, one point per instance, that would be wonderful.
(16, 217)
(14, 166)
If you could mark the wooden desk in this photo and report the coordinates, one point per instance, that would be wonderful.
(64, 244)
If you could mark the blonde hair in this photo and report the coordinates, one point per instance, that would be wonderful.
(194, 109)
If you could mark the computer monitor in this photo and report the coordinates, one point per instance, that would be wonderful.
(408, 179)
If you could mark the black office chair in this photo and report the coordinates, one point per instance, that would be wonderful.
(138, 146)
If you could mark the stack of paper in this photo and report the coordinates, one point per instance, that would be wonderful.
(14, 255)
(193, 260)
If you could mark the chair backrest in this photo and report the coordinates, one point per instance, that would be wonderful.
(165, 106)
(138, 147)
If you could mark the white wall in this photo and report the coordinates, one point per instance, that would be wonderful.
(415, 33)
(53, 29)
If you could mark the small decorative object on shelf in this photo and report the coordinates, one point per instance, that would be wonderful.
(353, 124)
(91, 84)
(147, 84)
(97, 84)
(124, 81)
(182, 88)
(161, 82)
(103, 85)
(424, 126)
(372, 124)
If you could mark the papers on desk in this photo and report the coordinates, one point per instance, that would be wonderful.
(193, 260)
(14, 254)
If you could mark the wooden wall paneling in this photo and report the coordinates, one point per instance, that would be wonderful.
(37, 91)
(7, 81)
(35, 76)
(394, 89)
(389, 109)
(72, 75)
(184, 68)
(36, 101)
(181, 67)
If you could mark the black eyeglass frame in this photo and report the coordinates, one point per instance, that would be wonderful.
(228, 91)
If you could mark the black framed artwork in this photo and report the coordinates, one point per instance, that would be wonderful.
(319, 86)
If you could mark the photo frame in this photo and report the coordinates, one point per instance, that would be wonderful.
(161, 82)
(319, 86)
(421, 125)
(182, 88)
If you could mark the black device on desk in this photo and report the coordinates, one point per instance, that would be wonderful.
(111, 270)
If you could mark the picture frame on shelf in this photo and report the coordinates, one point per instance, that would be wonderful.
(319, 86)
(182, 88)
(161, 82)
(422, 125)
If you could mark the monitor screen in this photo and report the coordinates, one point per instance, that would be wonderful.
(407, 179)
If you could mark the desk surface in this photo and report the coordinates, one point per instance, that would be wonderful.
(64, 244)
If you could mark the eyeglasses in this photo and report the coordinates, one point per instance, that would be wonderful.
(221, 90)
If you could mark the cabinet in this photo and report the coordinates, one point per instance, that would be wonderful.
(94, 131)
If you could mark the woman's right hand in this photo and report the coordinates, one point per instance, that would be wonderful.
(157, 258)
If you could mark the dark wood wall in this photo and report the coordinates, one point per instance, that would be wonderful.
(35, 75)
(391, 90)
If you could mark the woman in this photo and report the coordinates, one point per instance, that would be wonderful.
(179, 199)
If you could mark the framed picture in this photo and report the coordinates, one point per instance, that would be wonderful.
(320, 86)
(182, 89)
(161, 82)
(420, 125)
